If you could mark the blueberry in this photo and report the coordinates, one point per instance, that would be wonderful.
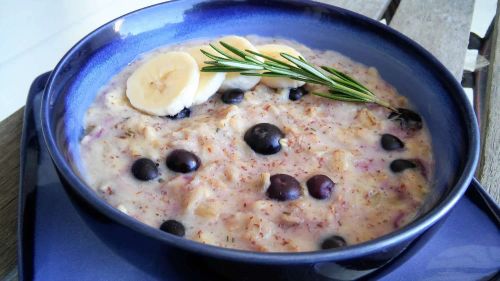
(264, 138)
(400, 165)
(390, 142)
(408, 119)
(283, 188)
(182, 161)
(333, 242)
(144, 169)
(184, 113)
(233, 96)
(320, 186)
(297, 93)
(173, 227)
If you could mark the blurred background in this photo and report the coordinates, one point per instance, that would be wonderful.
(35, 34)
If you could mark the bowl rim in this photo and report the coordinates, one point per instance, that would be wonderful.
(403, 234)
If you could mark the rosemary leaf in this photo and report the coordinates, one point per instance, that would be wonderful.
(209, 55)
(217, 68)
(341, 86)
(234, 50)
(336, 97)
(305, 66)
(343, 76)
(222, 52)
(238, 64)
(270, 59)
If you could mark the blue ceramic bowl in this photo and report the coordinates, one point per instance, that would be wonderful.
(416, 74)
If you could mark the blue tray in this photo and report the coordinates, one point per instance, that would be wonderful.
(61, 240)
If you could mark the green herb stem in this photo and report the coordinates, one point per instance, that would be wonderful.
(341, 86)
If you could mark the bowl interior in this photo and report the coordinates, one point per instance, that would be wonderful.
(430, 88)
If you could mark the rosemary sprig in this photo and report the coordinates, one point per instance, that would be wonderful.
(341, 86)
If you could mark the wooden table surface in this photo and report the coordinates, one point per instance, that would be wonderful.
(440, 26)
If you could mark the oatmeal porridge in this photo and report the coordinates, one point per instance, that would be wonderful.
(259, 164)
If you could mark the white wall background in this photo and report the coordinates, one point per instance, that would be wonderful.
(35, 34)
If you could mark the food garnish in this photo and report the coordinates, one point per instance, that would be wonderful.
(165, 84)
(283, 187)
(264, 138)
(183, 161)
(332, 242)
(235, 80)
(144, 169)
(400, 165)
(391, 142)
(341, 86)
(408, 119)
(320, 186)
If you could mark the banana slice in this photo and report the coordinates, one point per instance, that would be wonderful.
(164, 84)
(210, 82)
(273, 51)
(235, 80)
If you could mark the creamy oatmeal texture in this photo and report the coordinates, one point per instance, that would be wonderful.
(224, 202)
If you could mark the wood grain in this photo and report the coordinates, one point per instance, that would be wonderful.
(10, 137)
(373, 8)
(440, 26)
(489, 168)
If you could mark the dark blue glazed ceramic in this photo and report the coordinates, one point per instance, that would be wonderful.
(435, 94)
(60, 240)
